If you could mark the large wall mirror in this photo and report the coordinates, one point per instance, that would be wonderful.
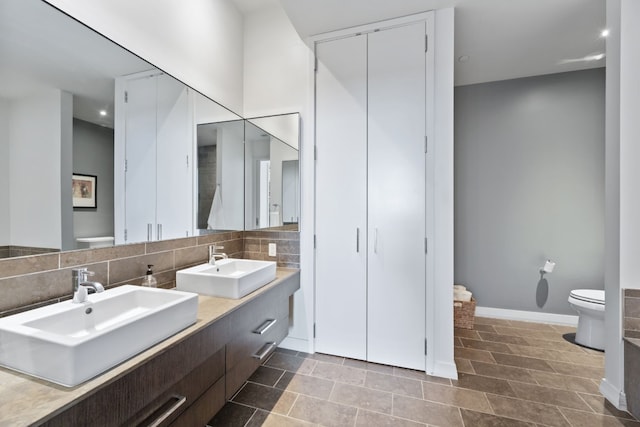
(248, 174)
(91, 139)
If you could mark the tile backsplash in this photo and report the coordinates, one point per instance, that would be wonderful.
(632, 313)
(32, 281)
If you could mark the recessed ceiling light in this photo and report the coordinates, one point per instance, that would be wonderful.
(604, 33)
(103, 112)
(463, 58)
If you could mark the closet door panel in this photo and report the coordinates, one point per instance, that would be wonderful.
(397, 260)
(140, 155)
(174, 142)
(341, 182)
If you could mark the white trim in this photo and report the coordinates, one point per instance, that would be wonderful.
(296, 344)
(527, 316)
(613, 395)
(367, 28)
(444, 370)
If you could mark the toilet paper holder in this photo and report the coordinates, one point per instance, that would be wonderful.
(548, 267)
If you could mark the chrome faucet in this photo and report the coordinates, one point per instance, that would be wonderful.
(80, 285)
(213, 254)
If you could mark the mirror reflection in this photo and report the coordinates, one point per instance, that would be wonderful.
(59, 117)
(248, 174)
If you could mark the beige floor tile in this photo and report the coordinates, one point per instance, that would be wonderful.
(266, 376)
(473, 354)
(327, 358)
(578, 370)
(430, 413)
(484, 384)
(322, 412)
(565, 382)
(602, 406)
(266, 419)
(267, 398)
(564, 329)
(531, 325)
(540, 353)
(522, 362)
(583, 359)
(304, 384)
(484, 328)
(479, 419)
(362, 397)
(581, 419)
(527, 411)
(490, 321)
(368, 366)
(506, 339)
(291, 363)
(373, 419)
(455, 396)
(464, 365)
(486, 345)
(394, 384)
(555, 345)
(548, 395)
(466, 333)
(529, 333)
(502, 372)
(339, 373)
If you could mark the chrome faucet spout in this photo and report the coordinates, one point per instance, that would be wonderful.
(213, 254)
(80, 285)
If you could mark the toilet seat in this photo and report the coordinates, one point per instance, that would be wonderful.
(592, 296)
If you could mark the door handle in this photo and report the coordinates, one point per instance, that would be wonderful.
(357, 239)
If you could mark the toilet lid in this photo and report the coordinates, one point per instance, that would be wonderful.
(594, 296)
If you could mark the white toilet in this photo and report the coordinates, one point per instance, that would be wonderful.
(589, 303)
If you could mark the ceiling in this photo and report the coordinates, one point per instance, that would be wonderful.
(42, 48)
(503, 39)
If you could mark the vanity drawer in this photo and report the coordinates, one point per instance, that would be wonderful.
(247, 353)
(186, 369)
(203, 409)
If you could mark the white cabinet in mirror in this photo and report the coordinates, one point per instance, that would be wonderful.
(248, 174)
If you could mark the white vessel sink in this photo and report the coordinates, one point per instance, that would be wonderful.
(69, 343)
(229, 278)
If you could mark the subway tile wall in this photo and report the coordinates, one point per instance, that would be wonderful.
(33, 281)
(632, 313)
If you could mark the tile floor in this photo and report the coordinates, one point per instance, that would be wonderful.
(510, 374)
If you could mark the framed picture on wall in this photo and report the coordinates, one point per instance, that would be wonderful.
(84, 189)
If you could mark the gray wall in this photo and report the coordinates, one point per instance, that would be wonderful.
(93, 155)
(529, 185)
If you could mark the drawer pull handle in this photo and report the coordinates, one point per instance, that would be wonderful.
(180, 400)
(266, 325)
(265, 350)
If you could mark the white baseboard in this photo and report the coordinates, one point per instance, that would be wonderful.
(614, 395)
(527, 316)
(444, 370)
(296, 344)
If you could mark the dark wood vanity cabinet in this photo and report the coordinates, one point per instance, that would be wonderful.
(186, 384)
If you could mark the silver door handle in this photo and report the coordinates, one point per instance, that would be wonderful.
(357, 239)
(149, 232)
(375, 240)
(159, 234)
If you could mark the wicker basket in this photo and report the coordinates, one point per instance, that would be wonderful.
(464, 313)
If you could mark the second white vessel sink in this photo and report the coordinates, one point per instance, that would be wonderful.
(228, 278)
(68, 343)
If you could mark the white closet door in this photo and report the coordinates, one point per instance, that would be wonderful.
(174, 145)
(397, 259)
(140, 155)
(341, 182)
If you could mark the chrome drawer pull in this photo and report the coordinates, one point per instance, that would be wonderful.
(265, 326)
(180, 400)
(265, 350)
